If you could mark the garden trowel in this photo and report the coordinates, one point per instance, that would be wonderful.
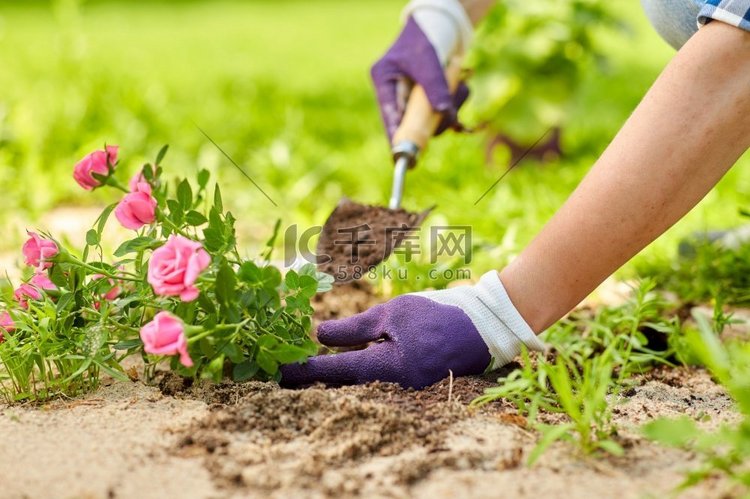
(356, 237)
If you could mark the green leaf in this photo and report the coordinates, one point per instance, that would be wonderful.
(226, 282)
(128, 344)
(287, 354)
(250, 273)
(308, 286)
(214, 239)
(611, 446)
(103, 217)
(218, 204)
(206, 304)
(325, 281)
(671, 432)
(266, 362)
(245, 370)
(195, 218)
(92, 237)
(185, 195)
(176, 212)
(292, 280)
(135, 245)
(58, 277)
(267, 341)
(233, 353)
(148, 172)
(207, 348)
(215, 369)
(64, 301)
(118, 375)
(203, 177)
(161, 154)
(214, 220)
(271, 241)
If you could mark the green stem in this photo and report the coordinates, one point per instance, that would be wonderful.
(219, 327)
(103, 272)
(166, 221)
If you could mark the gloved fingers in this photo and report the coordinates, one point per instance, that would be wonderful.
(339, 369)
(403, 89)
(352, 331)
(386, 78)
(451, 121)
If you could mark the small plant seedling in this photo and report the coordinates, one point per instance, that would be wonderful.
(592, 361)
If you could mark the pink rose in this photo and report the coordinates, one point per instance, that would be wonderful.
(6, 325)
(95, 162)
(174, 268)
(24, 292)
(137, 208)
(113, 292)
(33, 289)
(41, 281)
(138, 178)
(37, 250)
(165, 335)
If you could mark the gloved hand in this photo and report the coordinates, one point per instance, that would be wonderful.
(434, 32)
(419, 337)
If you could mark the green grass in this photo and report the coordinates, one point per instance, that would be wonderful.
(593, 357)
(284, 88)
(725, 450)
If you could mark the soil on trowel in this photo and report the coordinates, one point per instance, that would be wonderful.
(357, 237)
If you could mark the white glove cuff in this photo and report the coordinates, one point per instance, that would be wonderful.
(507, 340)
(445, 23)
(498, 322)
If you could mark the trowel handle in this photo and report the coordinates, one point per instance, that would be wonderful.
(420, 121)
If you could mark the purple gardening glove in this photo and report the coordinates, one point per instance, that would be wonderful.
(418, 338)
(418, 56)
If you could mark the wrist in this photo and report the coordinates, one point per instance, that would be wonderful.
(445, 23)
(506, 330)
(477, 9)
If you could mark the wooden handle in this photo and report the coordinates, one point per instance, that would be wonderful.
(420, 121)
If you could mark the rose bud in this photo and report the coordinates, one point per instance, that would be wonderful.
(137, 208)
(96, 162)
(139, 178)
(37, 251)
(6, 324)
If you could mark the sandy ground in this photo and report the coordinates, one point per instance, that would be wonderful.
(129, 440)
(257, 440)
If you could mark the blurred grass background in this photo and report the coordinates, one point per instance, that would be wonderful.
(283, 87)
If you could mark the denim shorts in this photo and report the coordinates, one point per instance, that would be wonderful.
(677, 20)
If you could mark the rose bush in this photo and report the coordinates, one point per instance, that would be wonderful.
(178, 290)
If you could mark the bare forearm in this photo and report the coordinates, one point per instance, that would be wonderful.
(687, 132)
(477, 9)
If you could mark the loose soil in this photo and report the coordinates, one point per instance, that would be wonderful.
(201, 440)
(357, 237)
